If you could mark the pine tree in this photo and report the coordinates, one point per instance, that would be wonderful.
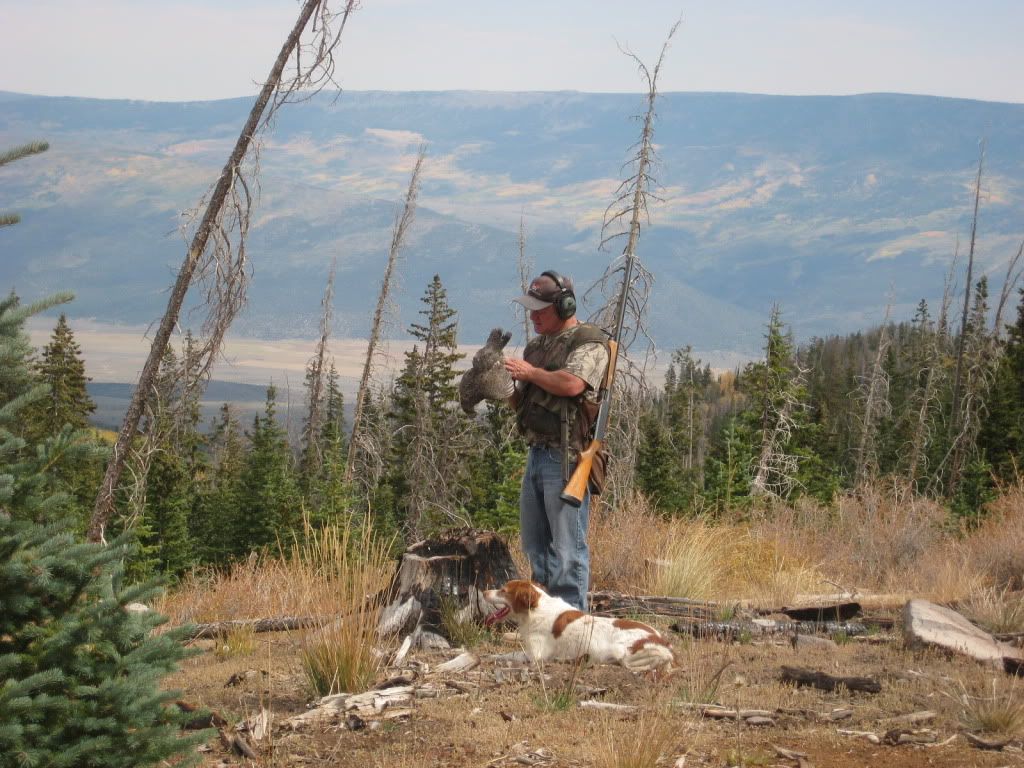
(428, 473)
(80, 673)
(270, 500)
(62, 369)
(657, 466)
(218, 514)
(1002, 432)
(9, 156)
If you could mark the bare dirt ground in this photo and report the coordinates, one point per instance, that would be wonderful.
(501, 715)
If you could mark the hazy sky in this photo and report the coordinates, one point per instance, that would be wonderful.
(206, 49)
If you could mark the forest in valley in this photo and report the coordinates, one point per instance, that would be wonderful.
(920, 404)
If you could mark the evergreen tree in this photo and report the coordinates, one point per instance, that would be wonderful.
(173, 446)
(62, 369)
(217, 514)
(1002, 431)
(428, 474)
(80, 673)
(9, 156)
(657, 466)
(270, 500)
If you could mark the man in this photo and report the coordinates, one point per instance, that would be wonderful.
(555, 398)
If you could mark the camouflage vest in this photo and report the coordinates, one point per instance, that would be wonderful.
(540, 414)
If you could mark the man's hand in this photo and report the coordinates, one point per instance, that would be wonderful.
(560, 383)
(518, 369)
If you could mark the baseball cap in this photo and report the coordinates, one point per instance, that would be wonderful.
(543, 292)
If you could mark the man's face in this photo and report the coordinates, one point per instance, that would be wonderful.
(545, 320)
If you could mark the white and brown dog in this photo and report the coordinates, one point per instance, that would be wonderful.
(550, 628)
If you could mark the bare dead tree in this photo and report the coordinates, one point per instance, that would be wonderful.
(784, 378)
(312, 458)
(874, 389)
(925, 400)
(525, 266)
(1010, 281)
(623, 218)
(217, 252)
(403, 221)
(955, 420)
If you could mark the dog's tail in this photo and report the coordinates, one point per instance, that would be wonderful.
(652, 656)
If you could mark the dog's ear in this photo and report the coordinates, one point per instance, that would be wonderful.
(521, 596)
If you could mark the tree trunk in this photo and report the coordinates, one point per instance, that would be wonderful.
(445, 575)
(104, 505)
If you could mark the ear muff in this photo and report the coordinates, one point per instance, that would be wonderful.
(565, 302)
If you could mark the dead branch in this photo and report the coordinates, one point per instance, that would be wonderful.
(402, 223)
(875, 391)
(313, 453)
(962, 340)
(225, 224)
(826, 682)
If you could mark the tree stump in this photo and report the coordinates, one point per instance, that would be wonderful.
(447, 574)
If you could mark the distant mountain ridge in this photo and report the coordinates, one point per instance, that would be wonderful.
(824, 205)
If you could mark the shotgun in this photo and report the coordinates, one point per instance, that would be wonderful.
(576, 488)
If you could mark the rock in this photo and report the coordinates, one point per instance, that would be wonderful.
(804, 642)
(926, 623)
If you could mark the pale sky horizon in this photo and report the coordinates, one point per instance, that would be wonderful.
(179, 50)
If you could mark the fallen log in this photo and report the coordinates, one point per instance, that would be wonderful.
(616, 603)
(826, 682)
(735, 630)
(223, 628)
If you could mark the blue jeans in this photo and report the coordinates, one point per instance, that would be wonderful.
(554, 534)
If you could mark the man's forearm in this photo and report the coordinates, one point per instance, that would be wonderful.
(559, 383)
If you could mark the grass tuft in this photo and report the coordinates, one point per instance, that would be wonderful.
(237, 642)
(458, 627)
(999, 711)
(339, 656)
(648, 744)
(996, 610)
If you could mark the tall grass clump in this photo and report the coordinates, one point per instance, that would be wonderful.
(625, 542)
(346, 568)
(694, 560)
(998, 711)
(996, 610)
(647, 743)
(996, 545)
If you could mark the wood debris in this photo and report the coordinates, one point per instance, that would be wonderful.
(982, 742)
(909, 736)
(869, 735)
(826, 682)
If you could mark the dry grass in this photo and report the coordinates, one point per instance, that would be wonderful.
(348, 568)
(996, 545)
(651, 740)
(701, 671)
(624, 540)
(694, 560)
(999, 710)
(996, 610)
(237, 642)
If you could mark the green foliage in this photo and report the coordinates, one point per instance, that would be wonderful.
(269, 500)
(9, 156)
(80, 673)
(62, 370)
(1002, 433)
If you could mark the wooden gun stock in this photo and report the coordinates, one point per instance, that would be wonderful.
(576, 488)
